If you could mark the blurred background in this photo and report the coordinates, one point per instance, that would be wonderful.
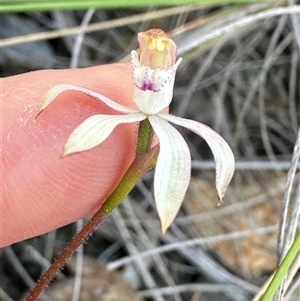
(241, 76)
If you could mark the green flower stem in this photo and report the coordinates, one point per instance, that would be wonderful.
(137, 169)
(282, 270)
(145, 136)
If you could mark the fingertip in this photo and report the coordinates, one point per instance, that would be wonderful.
(44, 187)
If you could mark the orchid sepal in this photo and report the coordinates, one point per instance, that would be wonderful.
(172, 173)
(222, 152)
(94, 130)
(56, 90)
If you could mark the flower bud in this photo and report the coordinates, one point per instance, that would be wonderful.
(157, 49)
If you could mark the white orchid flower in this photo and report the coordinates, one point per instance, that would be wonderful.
(153, 76)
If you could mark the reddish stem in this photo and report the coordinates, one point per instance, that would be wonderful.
(66, 254)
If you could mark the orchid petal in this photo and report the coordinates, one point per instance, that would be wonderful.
(149, 79)
(222, 152)
(95, 130)
(152, 101)
(173, 171)
(53, 92)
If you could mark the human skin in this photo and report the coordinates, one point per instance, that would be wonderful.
(42, 191)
